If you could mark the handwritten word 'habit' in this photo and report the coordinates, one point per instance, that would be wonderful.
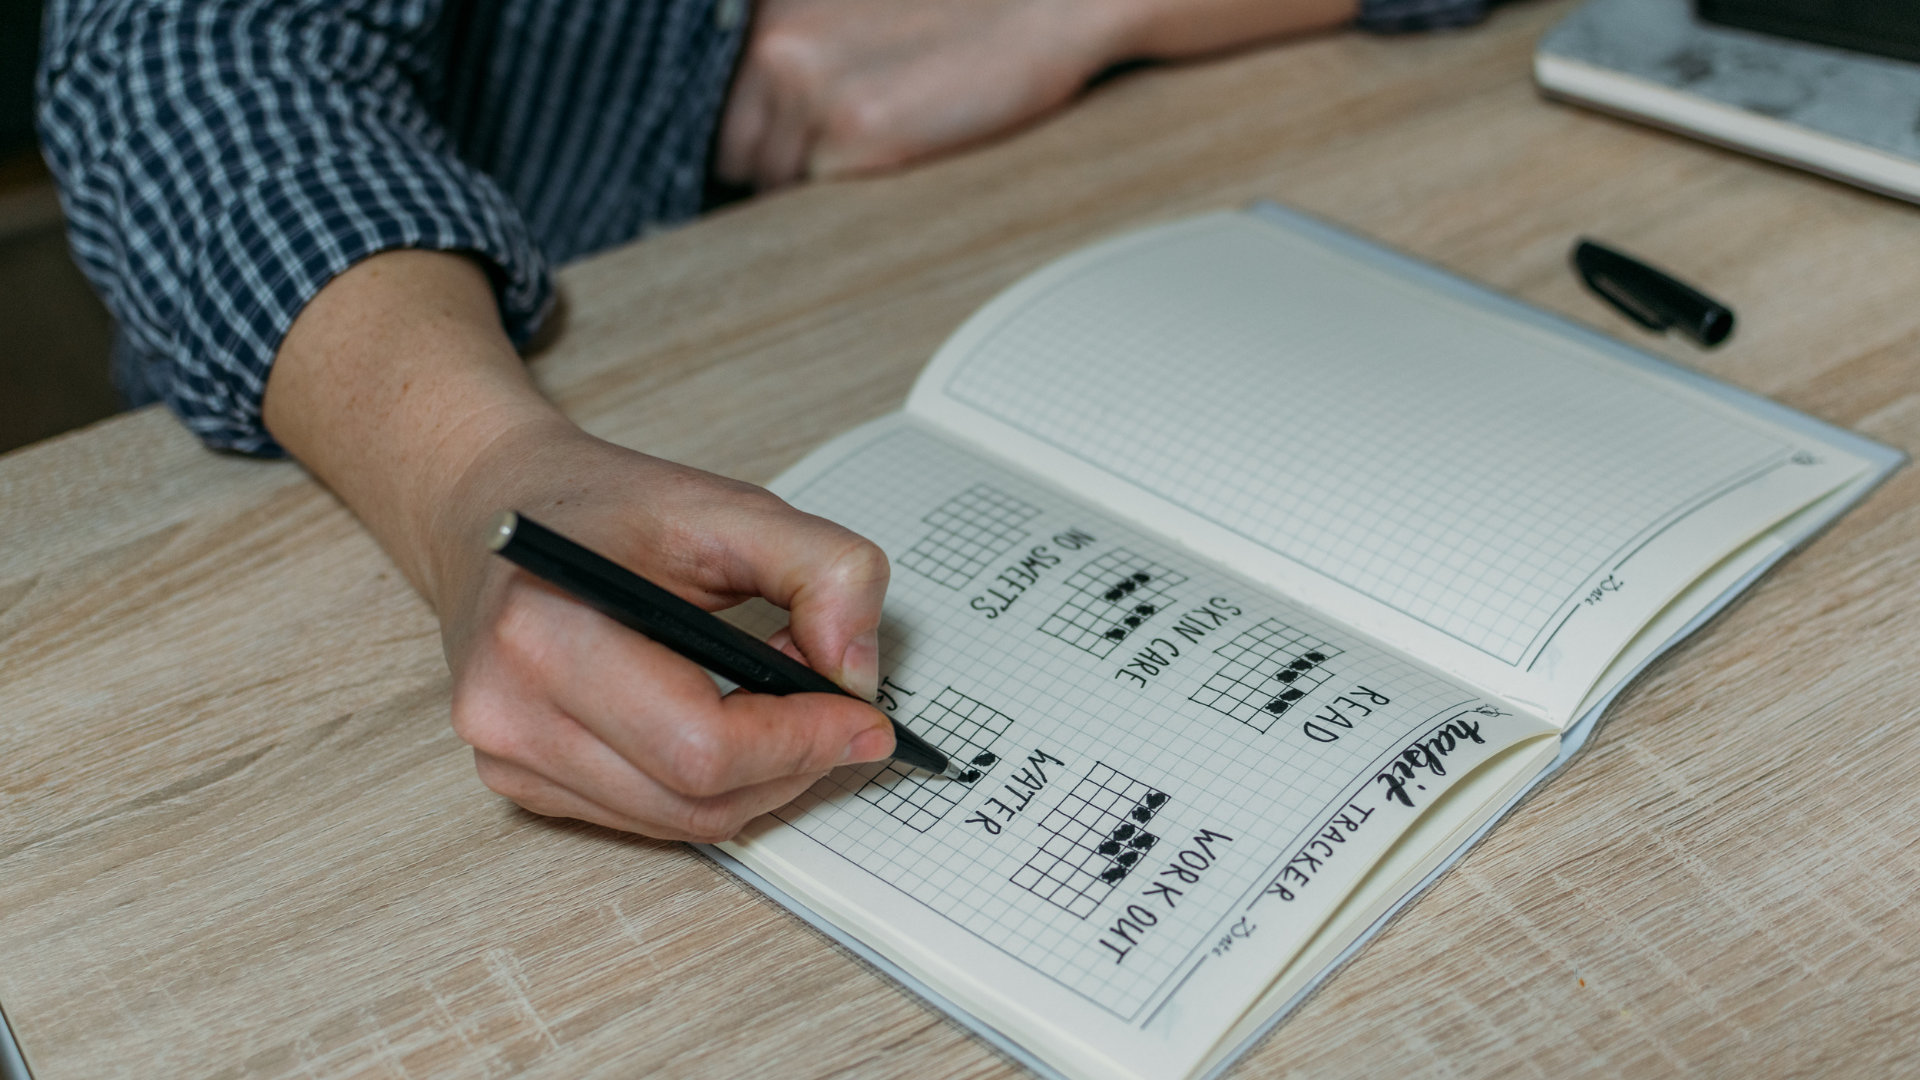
(1429, 752)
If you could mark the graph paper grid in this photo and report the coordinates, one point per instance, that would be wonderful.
(1019, 863)
(1095, 837)
(970, 530)
(963, 728)
(1464, 475)
(1110, 598)
(1269, 669)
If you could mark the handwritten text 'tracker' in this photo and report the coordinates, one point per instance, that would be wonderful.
(1317, 852)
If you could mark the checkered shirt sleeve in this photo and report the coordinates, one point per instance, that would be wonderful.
(220, 162)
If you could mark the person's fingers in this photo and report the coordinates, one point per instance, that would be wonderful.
(700, 821)
(858, 131)
(535, 737)
(782, 639)
(664, 715)
(742, 127)
(534, 792)
(832, 582)
(781, 156)
(900, 109)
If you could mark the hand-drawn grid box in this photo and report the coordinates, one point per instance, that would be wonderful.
(1110, 598)
(1096, 836)
(967, 731)
(1269, 668)
(970, 530)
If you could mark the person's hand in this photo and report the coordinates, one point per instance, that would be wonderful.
(397, 388)
(832, 87)
(828, 87)
(573, 715)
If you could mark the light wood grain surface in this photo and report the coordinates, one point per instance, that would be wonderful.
(237, 837)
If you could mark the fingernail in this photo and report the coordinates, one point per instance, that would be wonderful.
(860, 665)
(870, 745)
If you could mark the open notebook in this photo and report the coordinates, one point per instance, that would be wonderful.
(1256, 569)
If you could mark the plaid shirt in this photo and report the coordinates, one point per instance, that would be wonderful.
(220, 161)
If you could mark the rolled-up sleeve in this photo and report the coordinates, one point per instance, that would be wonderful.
(219, 163)
(1404, 16)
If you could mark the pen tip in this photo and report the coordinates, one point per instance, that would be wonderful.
(501, 530)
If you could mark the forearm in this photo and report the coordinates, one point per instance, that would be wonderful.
(394, 384)
(831, 87)
(1171, 29)
(397, 387)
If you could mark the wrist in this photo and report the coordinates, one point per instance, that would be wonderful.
(392, 383)
(501, 461)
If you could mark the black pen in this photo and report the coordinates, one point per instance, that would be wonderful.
(720, 647)
(1655, 300)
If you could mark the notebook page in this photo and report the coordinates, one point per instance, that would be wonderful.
(1401, 870)
(1180, 775)
(1502, 501)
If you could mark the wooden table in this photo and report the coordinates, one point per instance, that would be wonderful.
(237, 837)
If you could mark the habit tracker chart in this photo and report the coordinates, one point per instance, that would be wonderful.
(1146, 739)
(1249, 682)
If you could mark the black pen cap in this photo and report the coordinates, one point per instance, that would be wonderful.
(1649, 297)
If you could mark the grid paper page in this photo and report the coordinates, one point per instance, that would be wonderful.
(962, 728)
(1108, 599)
(1474, 479)
(968, 531)
(1093, 840)
(1102, 774)
(1267, 671)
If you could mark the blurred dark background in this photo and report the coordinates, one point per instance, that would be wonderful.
(54, 335)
